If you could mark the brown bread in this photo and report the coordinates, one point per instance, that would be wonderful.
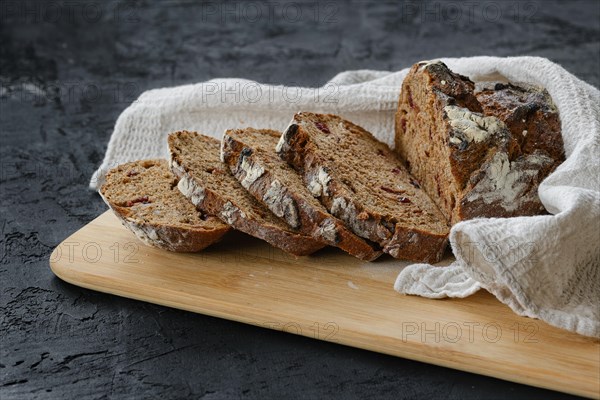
(477, 150)
(359, 180)
(250, 155)
(144, 195)
(212, 188)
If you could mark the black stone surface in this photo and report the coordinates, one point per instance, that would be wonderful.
(68, 68)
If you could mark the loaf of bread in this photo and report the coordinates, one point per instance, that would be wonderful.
(477, 150)
(464, 150)
(362, 182)
(250, 155)
(208, 183)
(144, 196)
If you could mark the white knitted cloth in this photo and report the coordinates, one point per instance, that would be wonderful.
(544, 267)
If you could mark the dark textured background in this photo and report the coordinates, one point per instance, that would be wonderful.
(69, 68)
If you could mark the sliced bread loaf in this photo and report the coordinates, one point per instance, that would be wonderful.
(477, 150)
(144, 196)
(213, 189)
(250, 155)
(360, 181)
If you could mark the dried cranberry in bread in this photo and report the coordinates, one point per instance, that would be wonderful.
(360, 181)
(144, 195)
(478, 150)
(250, 155)
(212, 188)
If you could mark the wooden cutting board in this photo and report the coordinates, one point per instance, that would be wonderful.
(331, 296)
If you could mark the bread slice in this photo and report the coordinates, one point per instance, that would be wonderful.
(477, 150)
(195, 159)
(144, 196)
(360, 181)
(250, 155)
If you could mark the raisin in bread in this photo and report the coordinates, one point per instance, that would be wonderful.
(144, 196)
(359, 180)
(477, 150)
(250, 155)
(204, 179)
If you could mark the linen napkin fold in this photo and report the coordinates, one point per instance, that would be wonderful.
(545, 267)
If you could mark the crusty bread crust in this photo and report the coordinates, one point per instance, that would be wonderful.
(297, 146)
(217, 201)
(249, 165)
(479, 150)
(171, 237)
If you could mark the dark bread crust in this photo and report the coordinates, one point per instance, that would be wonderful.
(222, 203)
(173, 237)
(491, 143)
(287, 200)
(529, 114)
(298, 147)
